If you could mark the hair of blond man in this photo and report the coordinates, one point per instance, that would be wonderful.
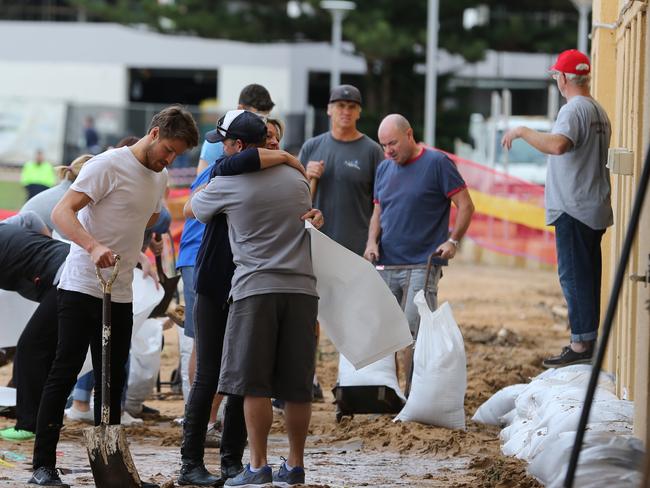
(71, 171)
(176, 122)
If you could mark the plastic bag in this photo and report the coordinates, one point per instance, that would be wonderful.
(379, 373)
(356, 309)
(439, 370)
(498, 405)
(146, 344)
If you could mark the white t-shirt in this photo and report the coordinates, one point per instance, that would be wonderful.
(124, 195)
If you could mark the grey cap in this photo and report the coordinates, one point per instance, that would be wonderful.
(348, 93)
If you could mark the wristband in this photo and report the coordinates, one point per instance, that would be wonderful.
(453, 241)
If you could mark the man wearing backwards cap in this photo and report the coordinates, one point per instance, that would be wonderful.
(243, 134)
(344, 161)
(577, 199)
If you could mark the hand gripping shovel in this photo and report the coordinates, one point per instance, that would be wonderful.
(108, 452)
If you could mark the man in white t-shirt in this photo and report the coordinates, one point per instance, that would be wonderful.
(104, 213)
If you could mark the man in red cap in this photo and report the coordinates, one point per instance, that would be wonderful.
(577, 199)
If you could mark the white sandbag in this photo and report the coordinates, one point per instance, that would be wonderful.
(146, 345)
(617, 463)
(185, 346)
(516, 438)
(356, 309)
(499, 404)
(379, 373)
(546, 466)
(613, 415)
(16, 312)
(439, 373)
(145, 297)
(508, 418)
(7, 396)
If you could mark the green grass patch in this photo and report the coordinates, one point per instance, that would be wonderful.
(12, 195)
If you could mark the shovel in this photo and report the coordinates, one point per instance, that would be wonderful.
(108, 451)
(169, 285)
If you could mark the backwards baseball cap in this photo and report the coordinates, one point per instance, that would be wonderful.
(348, 93)
(572, 61)
(238, 124)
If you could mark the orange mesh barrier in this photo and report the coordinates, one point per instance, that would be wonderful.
(509, 213)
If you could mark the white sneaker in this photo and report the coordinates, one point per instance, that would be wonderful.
(79, 416)
(127, 419)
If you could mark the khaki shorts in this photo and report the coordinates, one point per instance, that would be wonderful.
(270, 347)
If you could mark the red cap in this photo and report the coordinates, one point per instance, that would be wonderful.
(572, 61)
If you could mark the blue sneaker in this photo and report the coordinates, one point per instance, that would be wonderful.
(246, 478)
(284, 477)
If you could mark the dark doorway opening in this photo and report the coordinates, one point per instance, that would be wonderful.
(165, 86)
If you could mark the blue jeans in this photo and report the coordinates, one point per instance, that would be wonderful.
(579, 265)
(187, 274)
(84, 387)
(404, 284)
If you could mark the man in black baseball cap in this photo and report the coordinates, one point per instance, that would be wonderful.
(243, 134)
(346, 93)
(239, 124)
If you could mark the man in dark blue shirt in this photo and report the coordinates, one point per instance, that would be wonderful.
(414, 189)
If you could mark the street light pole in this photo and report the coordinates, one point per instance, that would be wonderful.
(431, 78)
(584, 7)
(338, 9)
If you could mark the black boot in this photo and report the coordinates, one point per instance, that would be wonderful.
(196, 474)
(230, 471)
(46, 476)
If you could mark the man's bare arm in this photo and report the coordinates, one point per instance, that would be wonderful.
(274, 157)
(465, 206)
(554, 144)
(374, 231)
(64, 215)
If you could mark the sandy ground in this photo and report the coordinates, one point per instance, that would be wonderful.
(508, 325)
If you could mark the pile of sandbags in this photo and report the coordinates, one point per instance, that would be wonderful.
(540, 420)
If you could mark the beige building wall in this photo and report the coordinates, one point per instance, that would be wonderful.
(621, 83)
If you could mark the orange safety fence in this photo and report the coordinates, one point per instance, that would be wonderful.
(508, 218)
(5, 214)
(509, 213)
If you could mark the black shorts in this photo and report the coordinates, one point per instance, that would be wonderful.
(270, 347)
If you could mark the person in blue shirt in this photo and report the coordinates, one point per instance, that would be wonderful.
(414, 189)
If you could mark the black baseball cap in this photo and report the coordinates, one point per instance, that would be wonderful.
(348, 93)
(239, 124)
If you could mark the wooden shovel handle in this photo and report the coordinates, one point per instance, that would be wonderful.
(313, 186)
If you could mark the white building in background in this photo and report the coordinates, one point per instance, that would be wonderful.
(44, 65)
(90, 62)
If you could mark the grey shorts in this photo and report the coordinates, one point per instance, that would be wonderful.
(270, 347)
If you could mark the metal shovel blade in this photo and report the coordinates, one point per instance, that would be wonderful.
(110, 458)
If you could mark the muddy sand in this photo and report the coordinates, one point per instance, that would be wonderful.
(507, 320)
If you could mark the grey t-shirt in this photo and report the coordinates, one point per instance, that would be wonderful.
(270, 244)
(45, 201)
(577, 182)
(346, 188)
